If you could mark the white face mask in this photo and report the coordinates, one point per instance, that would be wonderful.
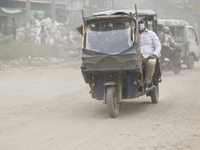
(141, 26)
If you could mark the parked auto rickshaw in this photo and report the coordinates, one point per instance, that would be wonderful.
(111, 57)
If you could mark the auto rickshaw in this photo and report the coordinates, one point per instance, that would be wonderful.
(111, 57)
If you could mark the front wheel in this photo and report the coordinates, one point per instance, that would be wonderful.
(177, 68)
(155, 94)
(112, 100)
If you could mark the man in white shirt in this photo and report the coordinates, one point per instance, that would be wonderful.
(150, 50)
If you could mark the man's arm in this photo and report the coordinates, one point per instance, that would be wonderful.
(156, 44)
(171, 41)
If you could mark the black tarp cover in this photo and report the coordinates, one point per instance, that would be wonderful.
(98, 63)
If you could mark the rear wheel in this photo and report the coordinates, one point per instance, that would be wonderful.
(155, 94)
(162, 68)
(112, 100)
(177, 68)
(162, 65)
(190, 62)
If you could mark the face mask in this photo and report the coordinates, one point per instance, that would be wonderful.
(141, 26)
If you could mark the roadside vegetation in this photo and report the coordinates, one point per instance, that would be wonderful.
(27, 54)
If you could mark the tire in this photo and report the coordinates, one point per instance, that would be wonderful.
(190, 62)
(162, 69)
(155, 94)
(177, 69)
(112, 100)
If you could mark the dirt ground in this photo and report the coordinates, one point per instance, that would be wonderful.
(50, 108)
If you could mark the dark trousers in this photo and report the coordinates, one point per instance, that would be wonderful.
(157, 69)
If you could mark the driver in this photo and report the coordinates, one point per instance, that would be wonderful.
(167, 51)
(150, 50)
(119, 40)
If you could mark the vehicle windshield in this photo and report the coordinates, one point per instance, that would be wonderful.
(109, 37)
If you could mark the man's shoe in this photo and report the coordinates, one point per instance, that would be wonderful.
(146, 87)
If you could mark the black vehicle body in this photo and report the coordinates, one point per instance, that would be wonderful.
(167, 65)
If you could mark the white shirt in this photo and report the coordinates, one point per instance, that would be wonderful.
(169, 40)
(150, 44)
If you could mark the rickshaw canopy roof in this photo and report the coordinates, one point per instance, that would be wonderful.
(172, 22)
(141, 14)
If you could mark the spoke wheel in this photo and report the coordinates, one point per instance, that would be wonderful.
(112, 100)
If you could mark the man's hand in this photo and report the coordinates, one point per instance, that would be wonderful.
(152, 56)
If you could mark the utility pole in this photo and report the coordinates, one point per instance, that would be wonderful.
(28, 13)
(53, 12)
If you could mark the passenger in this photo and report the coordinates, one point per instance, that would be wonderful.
(167, 51)
(106, 27)
(94, 38)
(105, 34)
(119, 41)
(150, 50)
(106, 31)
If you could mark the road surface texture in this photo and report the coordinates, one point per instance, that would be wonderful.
(50, 108)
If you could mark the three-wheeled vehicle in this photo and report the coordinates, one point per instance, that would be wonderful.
(184, 35)
(111, 57)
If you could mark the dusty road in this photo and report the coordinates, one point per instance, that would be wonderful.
(51, 109)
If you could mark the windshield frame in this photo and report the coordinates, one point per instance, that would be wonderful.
(100, 23)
